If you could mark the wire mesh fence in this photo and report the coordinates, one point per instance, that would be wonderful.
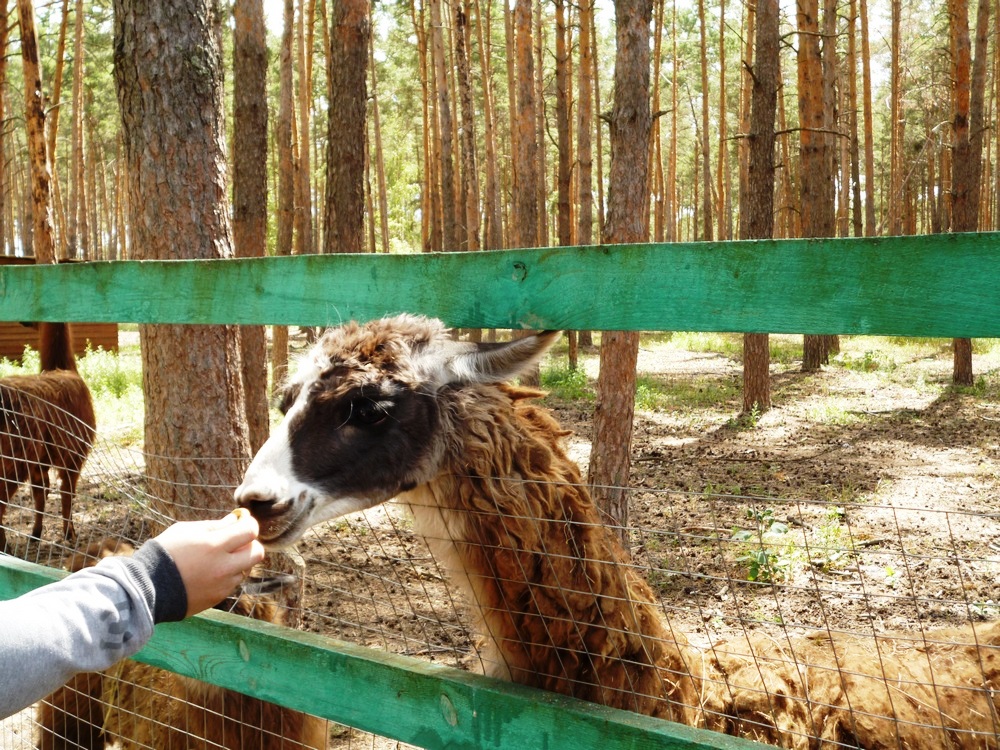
(848, 620)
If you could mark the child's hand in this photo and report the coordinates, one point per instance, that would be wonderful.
(213, 556)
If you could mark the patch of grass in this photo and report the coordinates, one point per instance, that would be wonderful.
(657, 394)
(110, 373)
(567, 384)
(28, 365)
(831, 413)
(870, 361)
(727, 344)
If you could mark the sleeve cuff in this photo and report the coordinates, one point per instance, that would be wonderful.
(165, 594)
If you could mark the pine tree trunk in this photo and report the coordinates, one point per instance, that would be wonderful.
(816, 179)
(250, 191)
(286, 179)
(52, 130)
(446, 162)
(174, 149)
(871, 228)
(563, 96)
(630, 125)
(383, 190)
(34, 115)
(6, 224)
(706, 149)
(757, 191)
(967, 127)
(469, 208)
(541, 195)
(345, 164)
(493, 231)
(526, 177)
(77, 239)
(303, 215)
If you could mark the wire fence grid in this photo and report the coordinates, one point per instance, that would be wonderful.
(781, 611)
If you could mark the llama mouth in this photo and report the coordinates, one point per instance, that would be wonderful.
(283, 530)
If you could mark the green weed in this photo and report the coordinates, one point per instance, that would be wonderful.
(567, 384)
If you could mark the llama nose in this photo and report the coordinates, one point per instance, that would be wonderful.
(261, 505)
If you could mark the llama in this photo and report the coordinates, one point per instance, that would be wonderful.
(398, 408)
(46, 422)
(139, 706)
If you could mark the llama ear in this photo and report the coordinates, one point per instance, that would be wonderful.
(495, 363)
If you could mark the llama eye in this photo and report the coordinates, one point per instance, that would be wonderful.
(368, 413)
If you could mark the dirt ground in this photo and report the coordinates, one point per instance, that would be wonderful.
(865, 501)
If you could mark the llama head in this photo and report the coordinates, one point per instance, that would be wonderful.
(362, 419)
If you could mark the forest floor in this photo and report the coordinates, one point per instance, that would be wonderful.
(867, 500)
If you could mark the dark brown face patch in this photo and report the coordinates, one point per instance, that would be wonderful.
(360, 433)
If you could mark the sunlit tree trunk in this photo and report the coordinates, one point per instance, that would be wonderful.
(52, 130)
(345, 163)
(383, 191)
(469, 207)
(563, 94)
(446, 161)
(303, 174)
(78, 240)
(816, 178)
(706, 149)
(493, 229)
(526, 177)
(250, 191)
(967, 128)
(630, 124)
(757, 191)
(34, 116)
(286, 179)
(871, 223)
(541, 150)
(6, 223)
(174, 145)
(857, 214)
(895, 221)
(724, 208)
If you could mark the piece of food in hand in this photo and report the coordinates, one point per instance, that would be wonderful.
(240, 513)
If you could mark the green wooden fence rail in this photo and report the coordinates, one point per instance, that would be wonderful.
(940, 285)
(943, 285)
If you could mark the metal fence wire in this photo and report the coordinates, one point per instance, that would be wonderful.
(809, 619)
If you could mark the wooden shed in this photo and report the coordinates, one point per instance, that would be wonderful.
(14, 336)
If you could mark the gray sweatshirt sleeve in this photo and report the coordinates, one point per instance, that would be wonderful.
(84, 623)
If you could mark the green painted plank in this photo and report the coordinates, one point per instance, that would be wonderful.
(413, 701)
(938, 285)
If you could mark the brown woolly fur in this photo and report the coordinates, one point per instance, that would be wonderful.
(592, 628)
(46, 422)
(561, 609)
(134, 705)
(399, 408)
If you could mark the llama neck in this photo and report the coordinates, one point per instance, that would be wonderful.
(55, 345)
(517, 530)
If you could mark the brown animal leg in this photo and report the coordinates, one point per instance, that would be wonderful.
(38, 478)
(67, 489)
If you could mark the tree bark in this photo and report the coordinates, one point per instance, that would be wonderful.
(967, 127)
(77, 236)
(757, 192)
(815, 179)
(286, 180)
(630, 124)
(493, 230)
(34, 115)
(526, 177)
(469, 207)
(169, 75)
(347, 73)
(250, 192)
